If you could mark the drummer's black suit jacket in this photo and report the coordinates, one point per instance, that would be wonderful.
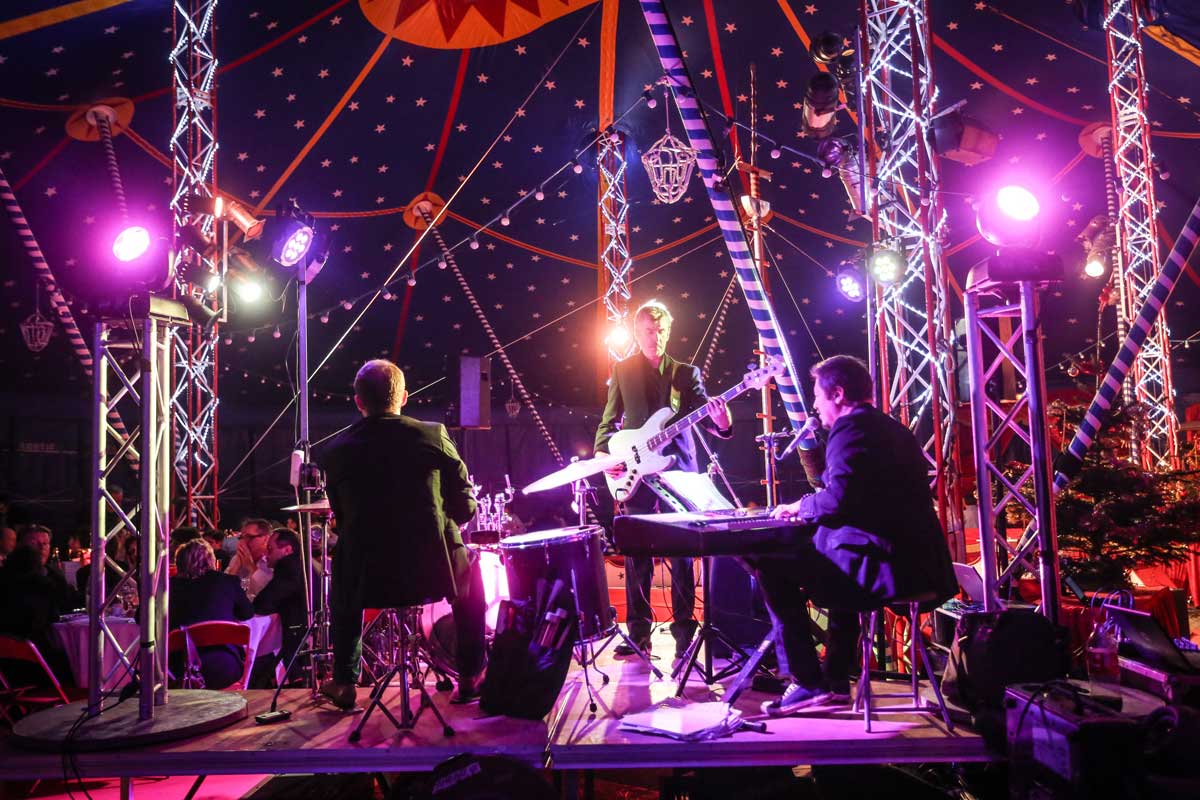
(635, 392)
(875, 516)
(399, 491)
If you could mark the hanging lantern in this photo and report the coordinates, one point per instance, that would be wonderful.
(37, 330)
(513, 406)
(669, 163)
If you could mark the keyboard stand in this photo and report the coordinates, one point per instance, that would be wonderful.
(705, 635)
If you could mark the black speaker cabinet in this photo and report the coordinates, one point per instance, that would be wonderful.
(474, 396)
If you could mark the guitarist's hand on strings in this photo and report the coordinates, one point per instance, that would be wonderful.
(718, 412)
(612, 472)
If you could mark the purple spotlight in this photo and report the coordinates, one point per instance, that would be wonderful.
(131, 243)
(851, 284)
(292, 242)
(1009, 217)
(1018, 203)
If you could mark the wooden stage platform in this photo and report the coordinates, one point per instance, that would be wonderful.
(315, 739)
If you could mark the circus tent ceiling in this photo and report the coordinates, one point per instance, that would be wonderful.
(355, 107)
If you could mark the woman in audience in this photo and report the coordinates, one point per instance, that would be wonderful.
(199, 593)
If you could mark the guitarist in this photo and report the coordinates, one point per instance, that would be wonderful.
(640, 385)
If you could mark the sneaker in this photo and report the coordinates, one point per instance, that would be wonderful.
(625, 650)
(342, 695)
(796, 697)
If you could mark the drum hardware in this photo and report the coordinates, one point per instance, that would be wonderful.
(491, 515)
(574, 555)
(405, 663)
(320, 651)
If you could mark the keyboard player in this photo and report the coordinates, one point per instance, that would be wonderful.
(877, 538)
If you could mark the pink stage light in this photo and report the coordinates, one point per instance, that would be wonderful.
(131, 243)
(1018, 203)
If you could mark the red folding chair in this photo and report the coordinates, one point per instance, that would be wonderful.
(31, 697)
(190, 638)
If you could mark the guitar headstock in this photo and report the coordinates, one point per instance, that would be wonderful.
(760, 376)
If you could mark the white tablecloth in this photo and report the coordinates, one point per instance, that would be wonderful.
(266, 636)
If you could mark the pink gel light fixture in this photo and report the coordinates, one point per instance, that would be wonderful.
(131, 243)
(1017, 202)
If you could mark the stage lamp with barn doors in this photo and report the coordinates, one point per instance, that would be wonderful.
(851, 282)
(830, 50)
(886, 264)
(1099, 240)
(818, 116)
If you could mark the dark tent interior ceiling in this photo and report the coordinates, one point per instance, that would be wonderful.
(485, 103)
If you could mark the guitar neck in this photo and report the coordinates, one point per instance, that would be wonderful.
(680, 425)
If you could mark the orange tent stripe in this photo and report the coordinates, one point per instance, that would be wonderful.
(333, 114)
(826, 234)
(53, 16)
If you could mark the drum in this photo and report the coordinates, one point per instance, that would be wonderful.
(555, 555)
(437, 621)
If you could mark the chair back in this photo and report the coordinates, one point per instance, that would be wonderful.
(215, 633)
(19, 697)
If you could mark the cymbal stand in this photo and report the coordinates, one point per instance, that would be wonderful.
(321, 652)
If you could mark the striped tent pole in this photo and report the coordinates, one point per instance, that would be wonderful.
(701, 139)
(1139, 329)
(61, 308)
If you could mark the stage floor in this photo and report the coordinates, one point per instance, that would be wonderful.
(316, 738)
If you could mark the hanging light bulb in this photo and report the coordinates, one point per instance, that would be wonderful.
(325, 318)
(441, 263)
(412, 280)
(505, 220)
(577, 168)
(474, 245)
(276, 334)
(539, 195)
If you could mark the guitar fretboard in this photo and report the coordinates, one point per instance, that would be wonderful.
(677, 427)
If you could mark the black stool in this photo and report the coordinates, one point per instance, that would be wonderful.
(406, 662)
(863, 695)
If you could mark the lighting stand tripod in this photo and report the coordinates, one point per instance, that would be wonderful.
(585, 651)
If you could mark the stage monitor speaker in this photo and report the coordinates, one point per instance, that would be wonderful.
(474, 396)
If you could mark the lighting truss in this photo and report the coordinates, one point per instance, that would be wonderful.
(614, 242)
(1137, 251)
(997, 424)
(193, 151)
(133, 369)
(912, 337)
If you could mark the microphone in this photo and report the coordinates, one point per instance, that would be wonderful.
(811, 452)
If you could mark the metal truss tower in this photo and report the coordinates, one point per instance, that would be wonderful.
(912, 353)
(998, 425)
(616, 265)
(133, 369)
(193, 151)
(1137, 250)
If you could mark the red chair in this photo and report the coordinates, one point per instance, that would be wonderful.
(212, 634)
(23, 699)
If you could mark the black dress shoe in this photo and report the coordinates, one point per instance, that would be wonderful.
(626, 650)
(343, 695)
(468, 690)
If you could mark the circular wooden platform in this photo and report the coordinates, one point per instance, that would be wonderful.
(189, 712)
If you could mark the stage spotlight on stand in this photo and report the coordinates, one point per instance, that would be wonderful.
(1099, 239)
(1009, 217)
(818, 116)
(886, 265)
(292, 235)
(851, 283)
(131, 243)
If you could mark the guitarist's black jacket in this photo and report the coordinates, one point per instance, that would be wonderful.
(636, 390)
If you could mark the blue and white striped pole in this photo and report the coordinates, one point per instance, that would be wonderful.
(728, 219)
(1139, 329)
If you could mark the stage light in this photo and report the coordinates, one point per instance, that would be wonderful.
(617, 338)
(292, 241)
(1009, 217)
(841, 156)
(886, 265)
(830, 50)
(195, 272)
(1018, 203)
(248, 288)
(131, 243)
(963, 139)
(850, 283)
(819, 111)
(1099, 242)
(240, 216)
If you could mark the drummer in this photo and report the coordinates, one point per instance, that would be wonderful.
(399, 492)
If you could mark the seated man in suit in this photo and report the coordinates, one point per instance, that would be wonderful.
(399, 492)
(878, 538)
(284, 593)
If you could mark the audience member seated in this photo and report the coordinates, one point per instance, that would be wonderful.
(252, 548)
(8, 543)
(29, 603)
(126, 560)
(284, 593)
(37, 537)
(216, 540)
(182, 534)
(200, 594)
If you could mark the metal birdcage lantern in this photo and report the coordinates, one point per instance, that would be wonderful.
(37, 330)
(669, 163)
